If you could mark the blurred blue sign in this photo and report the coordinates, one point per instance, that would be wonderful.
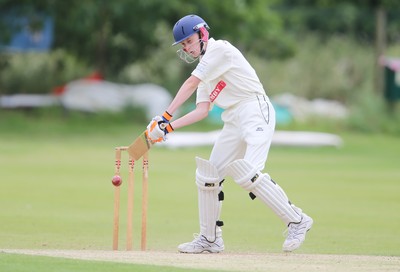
(27, 38)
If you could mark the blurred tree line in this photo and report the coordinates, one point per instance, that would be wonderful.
(355, 18)
(108, 36)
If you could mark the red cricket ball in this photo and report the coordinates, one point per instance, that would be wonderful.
(116, 180)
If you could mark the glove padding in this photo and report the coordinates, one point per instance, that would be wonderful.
(158, 129)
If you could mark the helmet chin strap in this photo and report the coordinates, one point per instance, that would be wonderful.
(203, 38)
(202, 51)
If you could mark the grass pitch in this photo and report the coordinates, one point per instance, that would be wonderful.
(56, 193)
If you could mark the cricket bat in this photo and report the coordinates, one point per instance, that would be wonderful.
(141, 145)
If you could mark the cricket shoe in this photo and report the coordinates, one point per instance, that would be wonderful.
(200, 245)
(296, 233)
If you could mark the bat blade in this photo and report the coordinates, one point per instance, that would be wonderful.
(139, 146)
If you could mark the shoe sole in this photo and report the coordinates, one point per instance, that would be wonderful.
(204, 250)
(199, 252)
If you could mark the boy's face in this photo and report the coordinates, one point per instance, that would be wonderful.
(192, 45)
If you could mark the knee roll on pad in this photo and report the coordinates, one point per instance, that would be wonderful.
(207, 177)
(245, 174)
(262, 186)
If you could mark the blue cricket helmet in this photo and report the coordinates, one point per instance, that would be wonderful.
(187, 26)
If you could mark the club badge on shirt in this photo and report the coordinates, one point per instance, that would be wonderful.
(217, 90)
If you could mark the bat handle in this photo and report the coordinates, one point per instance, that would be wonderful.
(163, 125)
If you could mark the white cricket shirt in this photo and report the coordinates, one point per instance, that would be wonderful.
(226, 76)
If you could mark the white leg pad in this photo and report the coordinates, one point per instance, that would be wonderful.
(264, 188)
(208, 184)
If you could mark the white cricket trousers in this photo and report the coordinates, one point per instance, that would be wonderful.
(246, 134)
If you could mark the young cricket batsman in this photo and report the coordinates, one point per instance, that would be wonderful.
(225, 78)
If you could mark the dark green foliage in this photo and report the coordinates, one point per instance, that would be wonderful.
(130, 42)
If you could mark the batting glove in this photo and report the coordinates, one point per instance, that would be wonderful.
(159, 127)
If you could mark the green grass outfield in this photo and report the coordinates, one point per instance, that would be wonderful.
(56, 193)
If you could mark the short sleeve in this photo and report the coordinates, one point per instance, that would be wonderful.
(202, 94)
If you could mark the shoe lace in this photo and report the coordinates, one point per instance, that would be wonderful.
(198, 238)
(293, 230)
(290, 232)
